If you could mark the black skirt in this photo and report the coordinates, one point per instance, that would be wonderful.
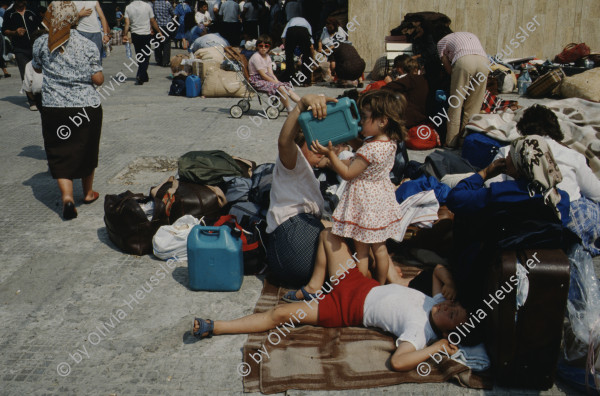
(71, 140)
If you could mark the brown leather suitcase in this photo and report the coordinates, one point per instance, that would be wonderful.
(524, 347)
(546, 84)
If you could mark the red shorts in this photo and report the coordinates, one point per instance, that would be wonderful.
(345, 304)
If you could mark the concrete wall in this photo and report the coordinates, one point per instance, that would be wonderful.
(494, 22)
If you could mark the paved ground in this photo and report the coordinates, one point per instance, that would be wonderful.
(71, 303)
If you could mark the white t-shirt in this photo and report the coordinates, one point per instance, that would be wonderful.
(88, 24)
(203, 19)
(139, 14)
(402, 311)
(32, 81)
(293, 192)
(578, 178)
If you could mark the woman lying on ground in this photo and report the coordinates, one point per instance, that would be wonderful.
(578, 180)
(354, 300)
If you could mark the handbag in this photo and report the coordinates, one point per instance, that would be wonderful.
(572, 52)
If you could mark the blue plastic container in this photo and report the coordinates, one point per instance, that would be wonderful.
(339, 126)
(193, 86)
(215, 261)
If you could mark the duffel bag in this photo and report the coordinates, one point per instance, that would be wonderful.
(181, 198)
(480, 149)
(127, 224)
(207, 167)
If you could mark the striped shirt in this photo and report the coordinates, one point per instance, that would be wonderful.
(459, 44)
(163, 12)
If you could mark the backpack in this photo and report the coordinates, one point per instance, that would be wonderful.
(237, 188)
(251, 234)
(260, 191)
(177, 87)
(207, 167)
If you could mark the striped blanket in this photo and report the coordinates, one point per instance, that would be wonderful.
(316, 358)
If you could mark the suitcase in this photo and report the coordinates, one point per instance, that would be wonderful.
(480, 149)
(546, 84)
(524, 348)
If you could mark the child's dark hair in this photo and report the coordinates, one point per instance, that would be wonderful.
(264, 39)
(400, 59)
(384, 103)
(540, 120)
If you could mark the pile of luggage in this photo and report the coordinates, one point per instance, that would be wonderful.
(214, 189)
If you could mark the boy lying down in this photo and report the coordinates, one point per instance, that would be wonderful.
(414, 318)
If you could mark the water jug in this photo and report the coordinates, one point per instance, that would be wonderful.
(193, 87)
(215, 261)
(340, 125)
(523, 82)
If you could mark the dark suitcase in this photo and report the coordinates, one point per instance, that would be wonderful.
(524, 348)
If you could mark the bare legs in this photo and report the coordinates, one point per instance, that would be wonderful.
(382, 261)
(286, 95)
(264, 321)
(66, 188)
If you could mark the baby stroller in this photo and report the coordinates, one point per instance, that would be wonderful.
(239, 64)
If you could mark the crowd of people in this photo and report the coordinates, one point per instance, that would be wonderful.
(65, 46)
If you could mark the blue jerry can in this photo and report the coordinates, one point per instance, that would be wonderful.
(215, 261)
(339, 126)
(193, 86)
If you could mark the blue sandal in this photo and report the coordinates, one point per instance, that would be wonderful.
(290, 296)
(206, 326)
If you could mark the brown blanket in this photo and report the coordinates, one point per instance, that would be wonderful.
(316, 358)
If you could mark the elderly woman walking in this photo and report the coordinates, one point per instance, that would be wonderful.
(71, 112)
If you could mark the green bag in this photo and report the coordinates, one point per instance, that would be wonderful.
(207, 167)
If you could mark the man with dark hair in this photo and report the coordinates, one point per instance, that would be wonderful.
(140, 17)
(19, 23)
(164, 13)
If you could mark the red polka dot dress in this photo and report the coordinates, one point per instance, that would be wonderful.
(368, 211)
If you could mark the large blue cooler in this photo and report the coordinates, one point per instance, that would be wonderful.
(340, 125)
(193, 86)
(215, 261)
(480, 149)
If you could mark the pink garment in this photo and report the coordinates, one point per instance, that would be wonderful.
(368, 211)
(459, 44)
(257, 62)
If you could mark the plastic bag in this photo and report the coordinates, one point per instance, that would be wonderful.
(171, 241)
(582, 334)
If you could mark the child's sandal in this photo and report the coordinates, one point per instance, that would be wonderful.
(206, 326)
(290, 296)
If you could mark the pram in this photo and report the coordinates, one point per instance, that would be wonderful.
(239, 64)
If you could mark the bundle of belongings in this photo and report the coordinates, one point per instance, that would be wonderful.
(211, 185)
(213, 67)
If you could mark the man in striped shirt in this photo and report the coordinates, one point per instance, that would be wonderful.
(466, 61)
(163, 12)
